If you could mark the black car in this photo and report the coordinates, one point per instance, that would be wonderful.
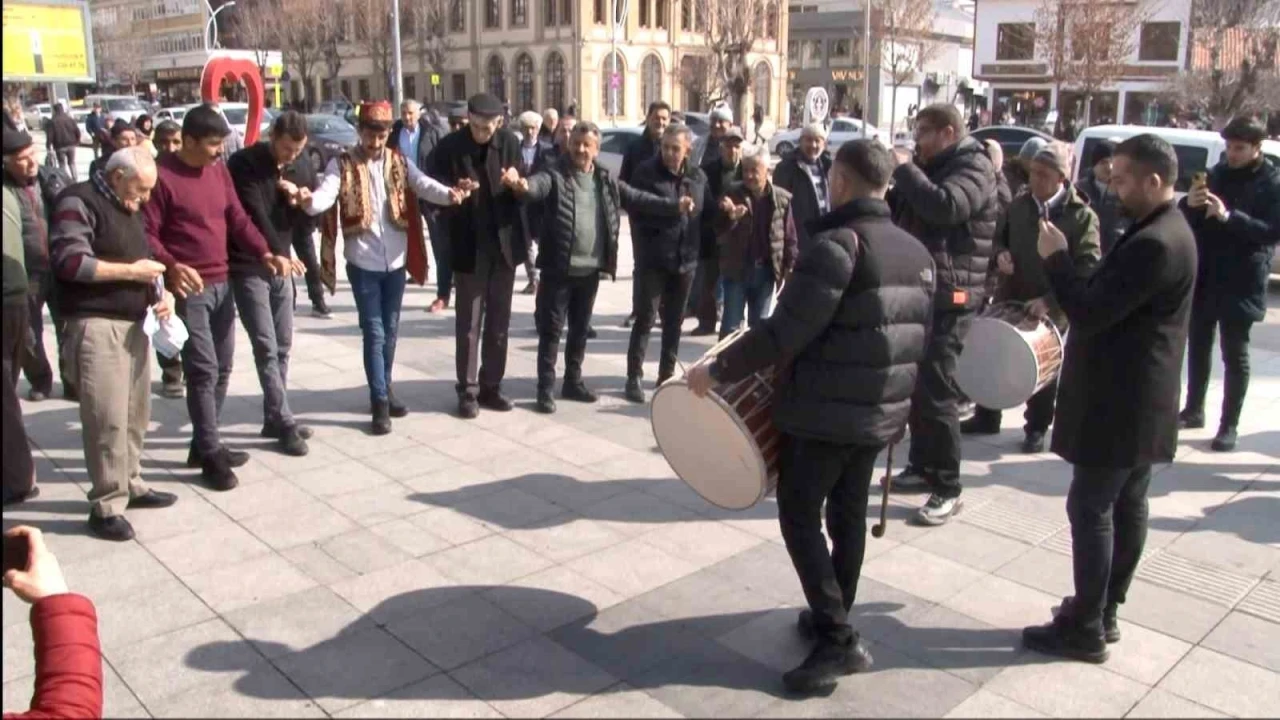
(328, 135)
(1010, 137)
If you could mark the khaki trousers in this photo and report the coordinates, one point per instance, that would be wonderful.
(111, 364)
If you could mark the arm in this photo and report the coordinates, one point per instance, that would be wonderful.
(154, 213)
(68, 658)
(791, 244)
(239, 227)
(326, 194)
(1262, 226)
(1087, 251)
(71, 248)
(636, 200)
(951, 202)
(246, 185)
(1121, 285)
(424, 186)
(540, 184)
(805, 308)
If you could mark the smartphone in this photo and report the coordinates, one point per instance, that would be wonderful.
(17, 552)
(1199, 179)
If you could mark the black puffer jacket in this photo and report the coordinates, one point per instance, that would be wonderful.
(952, 205)
(663, 242)
(553, 190)
(716, 187)
(1235, 256)
(640, 151)
(854, 318)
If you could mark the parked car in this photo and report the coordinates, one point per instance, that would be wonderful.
(1010, 137)
(1197, 150)
(175, 113)
(839, 132)
(237, 115)
(334, 107)
(37, 115)
(614, 141)
(80, 116)
(699, 123)
(328, 135)
(121, 107)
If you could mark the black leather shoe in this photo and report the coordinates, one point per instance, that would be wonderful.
(236, 458)
(217, 473)
(468, 407)
(274, 432)
(292, 443)
(395, 407)
(152, 499)
(1033, 443)
(634, 392)
(1064, 639)
(546, 403)
(979, 425)
(911, 480)
(381, 417)
(1110, 625)
(320, 309)
(114, 528)
(1225, 441)
(494, 400)
(1190, 420)
(32, 494)
(578, 392)
(828, 663)
(702, 331)
(591, 333)
(36, 396)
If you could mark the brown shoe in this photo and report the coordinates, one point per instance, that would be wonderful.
(439, 306)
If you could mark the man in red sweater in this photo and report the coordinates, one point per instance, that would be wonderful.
(65, 630)
(193, 213)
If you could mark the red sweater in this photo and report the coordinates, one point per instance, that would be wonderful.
(192, 215)
(68, 659)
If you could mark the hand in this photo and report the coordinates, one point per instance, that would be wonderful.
(510, 177)
(1038, 308)
(299, 268)
(726, 205)
(686, 205)
(1216, 208)
(456, 196)
(279, 265)
(1004, 263)
(42, 576)
(699, 379)
(520, 186)
(901, 156)
(1198, 196)
(145, 271)
(1051, 239)
(184, 280)
(163, 307)
(287, 187)
(304, 196)
(467, 185)
(738, 212)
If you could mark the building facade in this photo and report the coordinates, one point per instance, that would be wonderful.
(1009, 58)
(535, 54)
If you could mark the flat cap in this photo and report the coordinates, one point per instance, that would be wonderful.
(484, 105)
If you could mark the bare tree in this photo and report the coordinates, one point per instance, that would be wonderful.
(430, 23)
(907, 42)
(119, 51)
(258, 26)
(1088, 44)
(732, 27)
(373, 37)
(1235, 46)
(302, 40)
(699, 76)
(332, 16)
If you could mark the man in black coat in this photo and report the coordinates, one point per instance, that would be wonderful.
(666, 253)
(1117, 409)
(723, 170)
(416, 135)
(1236, 219)
(486, 246)
(641, 150)
(803, 173)
(949, 199)
(851, 321)
(1096, 185)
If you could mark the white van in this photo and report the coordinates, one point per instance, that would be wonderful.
(1198, 150)
(119, 107)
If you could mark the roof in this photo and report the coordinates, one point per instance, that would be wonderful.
(1235, 44)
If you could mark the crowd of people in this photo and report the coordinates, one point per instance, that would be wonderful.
(879, 260)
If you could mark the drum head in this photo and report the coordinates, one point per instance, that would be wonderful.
(708, 447)
(997, 368)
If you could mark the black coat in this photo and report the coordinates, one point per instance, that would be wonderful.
(952, 205)
(855, 318)
(640, 151)
(716, 188)
(1106, 204)
(552, 192)
(450, 163)
(1121, 380)
(663, 242)
(789, 176)
(531, 214)
(428, 137)
(254, 173)
(1235, 256)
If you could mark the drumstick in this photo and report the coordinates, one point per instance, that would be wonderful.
(877, 530)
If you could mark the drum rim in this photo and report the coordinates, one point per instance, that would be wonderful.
(1009, 330)
(737, 420)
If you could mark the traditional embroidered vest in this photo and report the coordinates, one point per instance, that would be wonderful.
(356, 212)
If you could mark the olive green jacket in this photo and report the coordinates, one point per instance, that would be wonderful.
(15, 272)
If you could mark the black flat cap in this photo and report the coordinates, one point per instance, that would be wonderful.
(485, 105)
(15, 140)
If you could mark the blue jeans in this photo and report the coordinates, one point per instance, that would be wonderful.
(754, 292)
(440, 250)
(378, 299)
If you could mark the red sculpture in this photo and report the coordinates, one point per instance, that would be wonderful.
(221, 69)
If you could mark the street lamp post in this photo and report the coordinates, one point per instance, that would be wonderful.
(211, 38)
(397, 90)
(866, 66)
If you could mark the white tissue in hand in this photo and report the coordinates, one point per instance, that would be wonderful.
(168, 335)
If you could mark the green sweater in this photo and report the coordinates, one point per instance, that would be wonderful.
(588, 245)
(15, 271)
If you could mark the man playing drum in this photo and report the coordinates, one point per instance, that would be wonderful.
(852, 321)
(1020, 275)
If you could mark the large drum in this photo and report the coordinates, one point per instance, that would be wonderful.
(1008, 356)
(724, 445)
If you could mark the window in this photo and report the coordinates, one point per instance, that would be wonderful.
(1015, 41)
(519, 13)
(646, 19)
(613, 75)
(693, 77)
(600, 12)
(771, 22)
(492, 14)
(524, 84)
(497, 72)
(459, 83)
(650, 81)
(686, 15)
(364, 89)
(549, 13)
(663, 12)
(554, 94)
(793, 52)
(566, 12)
(811, 54)
(1159, 42)
(457, 16)
(762, 86)
(839, 52)
(410, 87)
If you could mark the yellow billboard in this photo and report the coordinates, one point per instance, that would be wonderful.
(47, 41)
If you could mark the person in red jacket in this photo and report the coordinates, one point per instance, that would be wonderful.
(65, 629)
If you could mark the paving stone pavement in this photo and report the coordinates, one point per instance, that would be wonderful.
(523, 565)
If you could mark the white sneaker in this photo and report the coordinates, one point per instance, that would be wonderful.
(937, 510)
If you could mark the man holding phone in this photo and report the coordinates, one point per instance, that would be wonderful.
(1235, 214)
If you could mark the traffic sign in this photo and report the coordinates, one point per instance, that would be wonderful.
(435, 79)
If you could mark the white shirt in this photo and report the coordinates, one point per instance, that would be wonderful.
(382, 247)
(1053, 202)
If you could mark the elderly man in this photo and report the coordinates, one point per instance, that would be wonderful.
(416, 137)
(532, 159)
(17, 470)
(722, 171)
(550, 124)
(667, 253)
(101, 256)
(560, 141)
(486, 248)
(804, 173)
(705, 150)
(370, 193)
(1096, 185)
(581, 235)
(757, 238)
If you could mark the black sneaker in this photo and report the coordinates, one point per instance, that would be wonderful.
(115, 528)
(530, 289)
(395, 407)
(634, 392)
(629, 321)
(292, 443)
(912, 480)
(31, 494)
(1063, 638)
(701, 331)
(381, 417)
(237, 458)
(1110, 623)
(546, 402)
(578, 392)
(1190, 420)
(937, 510)
(591, 333)
(494, 400)
(217, 473)
(826, 664)
(468, 408)
(979, 424)
(320, 309)
(275, 432)
(36, 396)
(151, 500)
(1033, 443)
(1225, 441)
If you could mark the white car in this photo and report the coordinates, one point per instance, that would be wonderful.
(80, 115)
(614, 142)
(839, 132)
(119, 107)
(37, 115)
(237, 115)
(175, 113)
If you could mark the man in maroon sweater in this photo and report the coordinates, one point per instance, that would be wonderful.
(193, 213)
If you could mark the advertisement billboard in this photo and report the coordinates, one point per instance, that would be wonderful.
(48, 41)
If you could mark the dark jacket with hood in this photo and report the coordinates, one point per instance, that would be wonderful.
(662, 242)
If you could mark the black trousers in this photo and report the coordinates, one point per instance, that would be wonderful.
(707, 310)
(1108, 513)
(170, 369)
(813, 473)
(1038, 415)
(561, 297)
(668, 291)
(1205, 321)
(483, 308)
(42, 290)
(17, 468)
(306, 250)
(935, 418)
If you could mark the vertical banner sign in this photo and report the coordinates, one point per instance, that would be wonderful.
(220, 69)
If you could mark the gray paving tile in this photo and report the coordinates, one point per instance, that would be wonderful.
(195, 552)
(118, 700)
(626, 639)
(317, 564)
(401, 590)
(632, 567)
(451, 526)
(704, 604)
(920, 573)
(175, 663)
(119, 572)
(553, 597)
(232, 587)
(296, 622)
(19, 651)
(457, 632)
(1247, 638)
(1068, 689)
(636, 513)
(1161, 704)
(956, 643)
(306, 523)
(1170, 612)
(364, 551)
(771, 639)
(439, 696)
(984, 704)
(509, 508)
(619, 701)
(1145, 655)
(701, 543)
(379, 504)
(409, 461)
(169, 605)
(1042, 570)
(533, 679)
(565, 537)
(972, 546)
(409, 538)
(1224, 684)
(494, 560)
(711, 680)
(1004, 603)
(260, 498)
(263, 693)
(354, 667)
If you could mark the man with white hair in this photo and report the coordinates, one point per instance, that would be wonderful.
(107, 282)
(706, 149)
(550, 123)
(533, 158)
(804, 173)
